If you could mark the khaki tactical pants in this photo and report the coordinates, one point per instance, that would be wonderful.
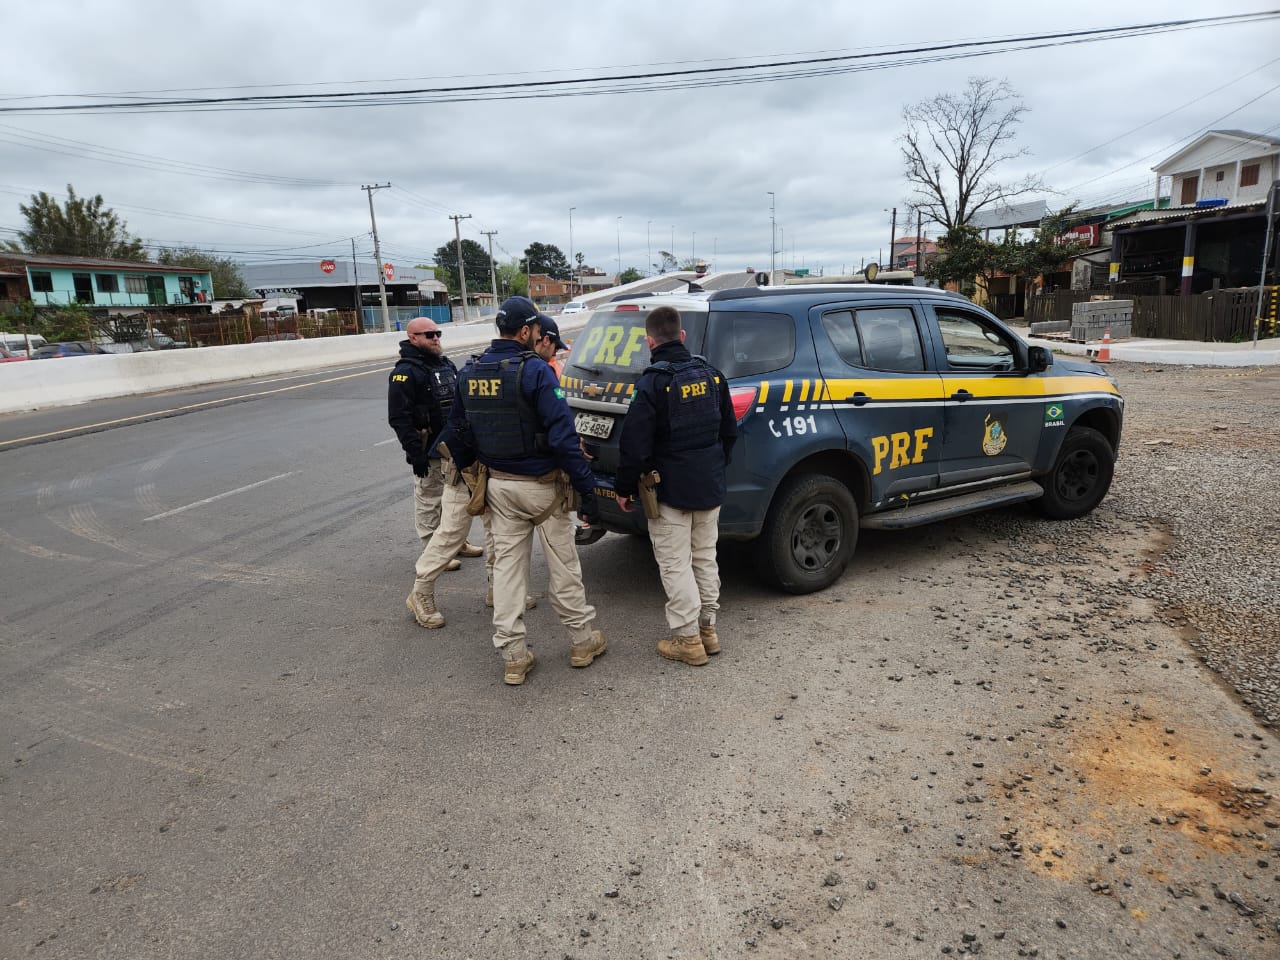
(513, 505)
(684, 544)
(426, 501)
(451, 531)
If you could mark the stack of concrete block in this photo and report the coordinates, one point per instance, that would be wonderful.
(1090, 320)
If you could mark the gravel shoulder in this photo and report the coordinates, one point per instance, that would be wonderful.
(997, 735)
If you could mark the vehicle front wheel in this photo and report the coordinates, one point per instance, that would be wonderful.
(809, 534)
(1081, 476)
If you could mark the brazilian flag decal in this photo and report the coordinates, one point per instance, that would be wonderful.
(1053, 411)
(560, 392)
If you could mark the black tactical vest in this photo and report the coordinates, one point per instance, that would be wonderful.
(503, 422)
(693, 404)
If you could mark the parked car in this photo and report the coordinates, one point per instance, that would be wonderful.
(17, 343)
(858, 406)
(70, 348)
(573, 306)
(269, 337)
(9, 356)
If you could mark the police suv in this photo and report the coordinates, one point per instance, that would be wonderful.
(858, 405)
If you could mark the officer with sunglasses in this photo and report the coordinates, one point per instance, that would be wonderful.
(419, 398)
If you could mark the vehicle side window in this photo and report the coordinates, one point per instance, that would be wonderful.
(879, 338)
(972, 343)
(749, 344)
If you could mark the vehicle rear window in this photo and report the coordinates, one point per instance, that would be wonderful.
(613, 342)
(749, 344)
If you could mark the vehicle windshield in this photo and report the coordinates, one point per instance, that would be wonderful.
(613, 341)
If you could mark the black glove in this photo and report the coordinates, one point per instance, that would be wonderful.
(589, 509)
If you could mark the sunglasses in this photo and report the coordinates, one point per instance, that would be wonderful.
(430, 334)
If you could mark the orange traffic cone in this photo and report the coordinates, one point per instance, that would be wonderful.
(1104, 353)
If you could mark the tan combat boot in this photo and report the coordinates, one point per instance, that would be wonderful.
(710, 641)
(530, 601)
(470, 550)
(453, 564)
(422, 604)
(685, 649)
(581, 654)
(514, 671)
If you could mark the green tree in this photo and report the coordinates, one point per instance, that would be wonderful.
(512, 281)
(475, 260)
(547, 258)
(1044, 251)
(952, 146)
(79, 228)
(963, 256)
(666, 262)
(630, 275)
(228, 283)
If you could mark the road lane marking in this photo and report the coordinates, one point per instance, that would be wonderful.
(378, 364)
(382, 442)
(92, 427)
(220, 496)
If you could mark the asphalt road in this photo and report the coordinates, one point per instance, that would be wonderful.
(225, 737)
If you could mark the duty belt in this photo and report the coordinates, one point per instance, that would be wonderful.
(548, 477)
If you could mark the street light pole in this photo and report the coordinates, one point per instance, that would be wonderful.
(648, 250)
(773, 233)
(571, 209)
(619, 249)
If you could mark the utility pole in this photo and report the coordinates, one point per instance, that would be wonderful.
(619, 249)
(893, 230)
(462, 271)
(377, 255)
(919, 243)
(773, 234)
(1272, 196)
(648, 250)
(493, 277)
(355, 275)
(693, 245)
(571, 209)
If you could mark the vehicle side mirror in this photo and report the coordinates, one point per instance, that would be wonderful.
(762, 279)
(1039, 359)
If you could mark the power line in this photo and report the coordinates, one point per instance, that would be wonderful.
(649, 81)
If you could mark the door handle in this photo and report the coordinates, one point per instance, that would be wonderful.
(962, 395)
(859, 399)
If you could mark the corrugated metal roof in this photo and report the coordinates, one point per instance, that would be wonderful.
(56, 260)
(1192, 213)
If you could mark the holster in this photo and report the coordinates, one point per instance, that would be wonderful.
(647, 489)
(477, 478)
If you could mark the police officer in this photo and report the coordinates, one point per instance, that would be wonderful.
(510, 414)
(549, 344)
(419, 396)
(681, 424)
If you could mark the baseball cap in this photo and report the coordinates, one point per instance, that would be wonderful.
(551, 329)
(514, 313)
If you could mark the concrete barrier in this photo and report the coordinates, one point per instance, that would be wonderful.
(37, 384)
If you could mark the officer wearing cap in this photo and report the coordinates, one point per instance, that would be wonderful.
(509, 413)
(549, 343)
(681, 424)
(419, 395)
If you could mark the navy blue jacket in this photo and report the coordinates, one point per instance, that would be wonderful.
(691, 479)
(540, 386)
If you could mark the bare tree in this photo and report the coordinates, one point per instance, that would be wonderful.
(952, 145)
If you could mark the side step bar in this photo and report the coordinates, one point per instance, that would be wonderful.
(918, 514)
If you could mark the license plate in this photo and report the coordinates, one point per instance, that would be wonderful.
(593, 425)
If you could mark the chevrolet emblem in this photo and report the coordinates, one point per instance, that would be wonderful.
(591, 390)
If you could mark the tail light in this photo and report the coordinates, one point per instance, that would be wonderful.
(743, 398)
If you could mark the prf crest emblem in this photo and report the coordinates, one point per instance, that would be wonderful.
(994, 438)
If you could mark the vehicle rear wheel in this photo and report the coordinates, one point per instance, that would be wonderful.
(809, 534)
(1080, 477)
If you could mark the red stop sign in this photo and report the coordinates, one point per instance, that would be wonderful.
(389, 270)
(328, 266)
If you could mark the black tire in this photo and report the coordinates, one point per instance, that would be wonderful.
(1081, 476)
(809, 534)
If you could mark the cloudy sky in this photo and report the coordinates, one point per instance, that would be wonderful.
(642, 170)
